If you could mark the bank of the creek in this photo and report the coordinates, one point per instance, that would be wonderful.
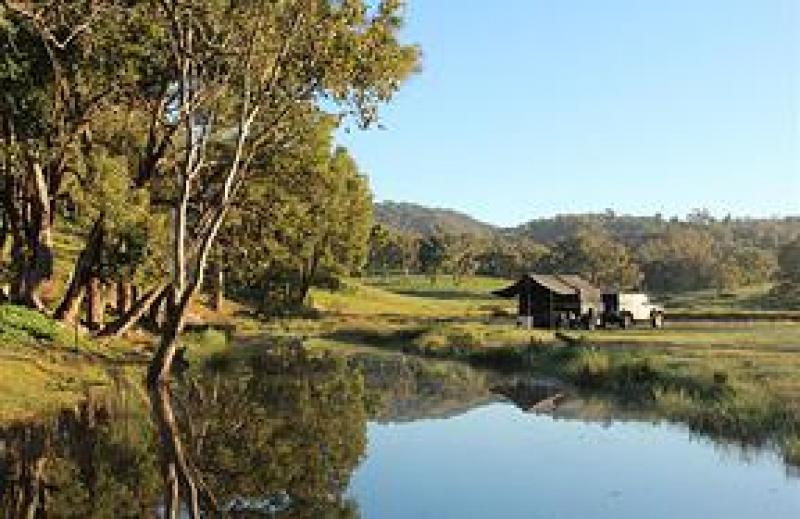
(299, 434)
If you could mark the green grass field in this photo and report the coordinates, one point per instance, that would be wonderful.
(413, 314)
(392, 301)
(42, 367)
(414, 296)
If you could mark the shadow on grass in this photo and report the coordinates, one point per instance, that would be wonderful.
(769, 301)
(393, 339)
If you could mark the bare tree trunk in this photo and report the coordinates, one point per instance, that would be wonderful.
(18, 260)
(33, 264)
(218, 296)
(95, 304)
(134, 314)
(69, 307)
(156, 311)
(161, 366)
(28, 219)
(38, 268)
(125, 296)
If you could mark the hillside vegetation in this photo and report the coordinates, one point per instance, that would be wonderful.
(698, 252)
(415, 218)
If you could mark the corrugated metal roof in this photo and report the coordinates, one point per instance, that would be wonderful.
(578, 283)
(553, 283)
(566, 284)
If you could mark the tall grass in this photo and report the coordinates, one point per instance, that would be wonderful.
(709, 399)
(791, 449)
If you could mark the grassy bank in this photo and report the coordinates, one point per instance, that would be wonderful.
(711, 398)
(45, 366)
(385, 312)
(734, 379)
(740, 379)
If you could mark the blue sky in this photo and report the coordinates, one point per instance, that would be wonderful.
(528, 108)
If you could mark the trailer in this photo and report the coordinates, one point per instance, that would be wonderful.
(626, 309)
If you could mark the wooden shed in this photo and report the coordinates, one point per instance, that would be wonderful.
(550, 300)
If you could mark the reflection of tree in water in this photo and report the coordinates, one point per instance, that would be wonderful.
(80, 463)
(284, 422)
(287, 423)
(400, 387)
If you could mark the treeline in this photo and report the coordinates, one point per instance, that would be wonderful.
(142, 142)
(306, 224)
(651, 253)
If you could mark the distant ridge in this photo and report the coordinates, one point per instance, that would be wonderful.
(631, 230)
(408, 217)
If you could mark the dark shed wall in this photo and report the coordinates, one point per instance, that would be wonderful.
(537, 300)
(541, 296)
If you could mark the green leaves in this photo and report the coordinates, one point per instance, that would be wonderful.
(306, 220)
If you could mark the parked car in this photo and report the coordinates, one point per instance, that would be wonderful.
(627, 309)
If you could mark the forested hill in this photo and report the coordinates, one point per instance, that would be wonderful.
(695, 252)
(408, 217)
(631, 230)
(634, 230)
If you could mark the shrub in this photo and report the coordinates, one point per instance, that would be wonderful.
(589, 368)
(208, 339)
(791, 450)
(432, 340)
(747, 415)
(466, 337)
(20, 322)
(443, 336)
(637, 371)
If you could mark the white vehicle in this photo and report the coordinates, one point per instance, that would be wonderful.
(626, 309)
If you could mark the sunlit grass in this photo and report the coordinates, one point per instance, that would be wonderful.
(360, 298)
(44, 365)
(739, 334)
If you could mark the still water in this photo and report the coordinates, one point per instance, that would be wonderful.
(497, 461)
(294, 436)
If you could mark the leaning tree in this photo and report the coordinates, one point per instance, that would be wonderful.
(246, 72)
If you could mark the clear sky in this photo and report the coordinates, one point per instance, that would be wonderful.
(528, 108)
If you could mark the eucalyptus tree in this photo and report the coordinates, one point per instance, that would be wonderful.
(592, 252)
(392, 249)
(339, 235)
(243, 71)
(789, 262)
(433, 254)
(62, 64)
(786, 291)
(306, 222)
(408, 243)
(382, 250)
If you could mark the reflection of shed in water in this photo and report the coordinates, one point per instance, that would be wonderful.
(544, 299)
(536, 396)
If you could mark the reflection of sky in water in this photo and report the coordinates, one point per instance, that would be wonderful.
(496, 461)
